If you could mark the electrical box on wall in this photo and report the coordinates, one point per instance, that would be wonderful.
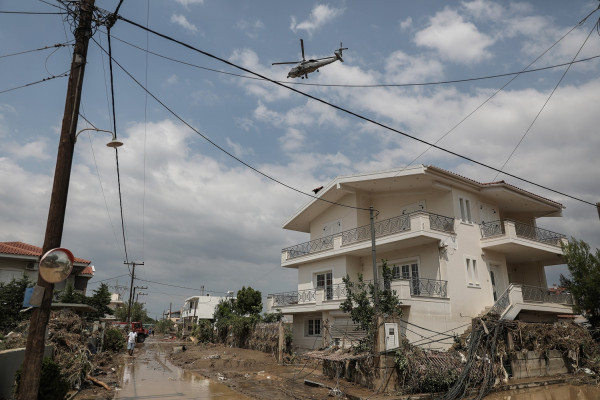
(391, 336)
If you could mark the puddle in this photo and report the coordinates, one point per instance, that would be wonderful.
(553, 392)
(152, 376)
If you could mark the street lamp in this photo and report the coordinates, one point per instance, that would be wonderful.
(114, 143)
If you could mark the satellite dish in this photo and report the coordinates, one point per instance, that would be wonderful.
(56, 265)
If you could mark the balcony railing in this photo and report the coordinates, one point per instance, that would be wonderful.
(382, 228)
(293, 298)
(418, 287)
(526, 231)
(533, 294)
(363, 233)
(529, 294)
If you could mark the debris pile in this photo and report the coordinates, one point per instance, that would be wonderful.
(66, 331)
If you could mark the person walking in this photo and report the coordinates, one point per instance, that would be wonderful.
(131, 339)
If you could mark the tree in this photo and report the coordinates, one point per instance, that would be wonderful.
(584, 283)
(69, 295)
(249, 302)
(138, 313)
(100, 301)
(359, 304)
(11, 302)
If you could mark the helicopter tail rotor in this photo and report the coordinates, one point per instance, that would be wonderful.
(338, 53)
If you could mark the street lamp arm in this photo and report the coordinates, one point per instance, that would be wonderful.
(113, 143)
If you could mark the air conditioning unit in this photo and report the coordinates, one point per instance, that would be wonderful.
(30, 266)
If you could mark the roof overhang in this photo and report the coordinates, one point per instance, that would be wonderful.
(509, 198)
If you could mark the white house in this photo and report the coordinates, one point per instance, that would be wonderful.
(200, 307)
(18, 259)
(456, 247)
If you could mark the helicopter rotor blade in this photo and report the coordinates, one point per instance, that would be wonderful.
(302, 47)
(286, 62)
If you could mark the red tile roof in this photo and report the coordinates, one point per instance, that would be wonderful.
(24, 249)
(87, 271)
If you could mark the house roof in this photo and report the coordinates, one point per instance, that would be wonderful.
(24, 249)
(509, 198)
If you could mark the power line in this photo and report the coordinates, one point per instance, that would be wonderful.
(382, 125)
(179, 287)
(358, 86)
(38, 49)
(33, 13)
(546, 102)
(221, 148)
(109, 279)
(35, 83)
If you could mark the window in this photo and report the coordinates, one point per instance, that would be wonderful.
(465, 209)
(313, 327)
(409, 271)
(472, 272)
(325, 281)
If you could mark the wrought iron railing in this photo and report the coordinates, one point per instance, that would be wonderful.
(502, 303)
(382, 228)
(423, 286)
(538, 234)
(534, 294)
(363, 233)
(314, 246)
(336, 292)
(527, 231)
(293, 298)
(441, 223)
(494, 228)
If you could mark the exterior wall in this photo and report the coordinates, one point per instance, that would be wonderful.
(468, 293)
(346, 215)
(11, 268)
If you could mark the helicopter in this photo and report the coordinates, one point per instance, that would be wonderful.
(305, 67)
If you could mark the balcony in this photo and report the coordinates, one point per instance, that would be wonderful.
(519, 298)
(418, 226)
(522, 242)
(331, 297)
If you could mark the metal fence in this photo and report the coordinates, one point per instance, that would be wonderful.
(382, 228)
(540, 295)
(314, 246)
(293, 298)
(527, 231)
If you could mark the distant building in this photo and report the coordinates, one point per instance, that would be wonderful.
(198, 308)
(18, 259)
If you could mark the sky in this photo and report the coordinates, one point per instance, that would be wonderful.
(193, 211)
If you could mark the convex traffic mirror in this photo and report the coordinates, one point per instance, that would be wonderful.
(56, 265)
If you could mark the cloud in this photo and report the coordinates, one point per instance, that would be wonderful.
(172, 80)
(37, 150)
(319, 16)
(251, 29)
(182, 21)
(454, 38)
(238, 149)
(292, 140)
(406, 24)
(187, 3)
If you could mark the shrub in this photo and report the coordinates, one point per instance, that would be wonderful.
(53, 385)
(203, 331)
(114, 340)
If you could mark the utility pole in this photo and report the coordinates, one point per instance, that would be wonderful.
(374, 257)
(140, 294)
(133, 264)
(34, 350)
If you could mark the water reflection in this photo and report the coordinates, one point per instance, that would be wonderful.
(152, 376)
(554, 392)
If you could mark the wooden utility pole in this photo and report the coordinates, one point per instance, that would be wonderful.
(131, 290)
(34, 350)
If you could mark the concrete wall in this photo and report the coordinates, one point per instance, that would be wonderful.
(10, 362)
(532, 364)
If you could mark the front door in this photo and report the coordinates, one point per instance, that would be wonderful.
(497, 281)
